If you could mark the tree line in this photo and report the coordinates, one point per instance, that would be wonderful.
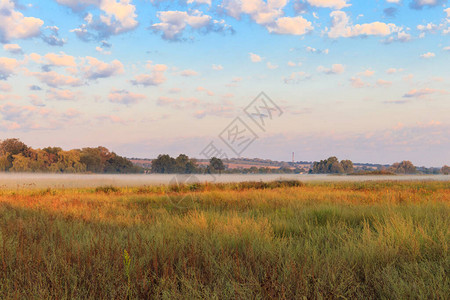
(16, 156)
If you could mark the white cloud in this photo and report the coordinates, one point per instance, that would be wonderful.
(94, 68)
(118, 16)
(393, 70)
(419, 4)
(336, 4)
(57, 94)
(335, 69)
(255, 57)
(447, 11)
(102, 51)
(381, 82)
(7, 67)
(271, 66)
(124, 97)
(393, 1)
(290, 25)
(14, 25)
(173, 23)
(261, 12)
(189, 73)
(428, 55)
(199, 2)
(356, 82)
(217, 67)
(4, 87)
(202, 89)
(317, 51)
(296, 77)
(420, 93)
(367, 73)
(12, 48)
(342, 27)
(156, 76)
(446, 48)
(60, 59)
(54, 79)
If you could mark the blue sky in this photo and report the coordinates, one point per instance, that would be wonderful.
(363, 80)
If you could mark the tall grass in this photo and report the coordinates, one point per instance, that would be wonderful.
(276, 240)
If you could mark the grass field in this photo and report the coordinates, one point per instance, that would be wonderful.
(384, 240)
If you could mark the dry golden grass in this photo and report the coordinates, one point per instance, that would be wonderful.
(250, 240)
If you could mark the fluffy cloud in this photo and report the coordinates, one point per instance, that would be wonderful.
(393, 70)
(381, 82)
(4, 87)
(156, 76)
(55, 79)
(14, 25)
(189, 73)
(117, 17)
(271, 66)
(217, 67)
(419, 4)
(356, 82)
(342, 27)
(173, 23)
(94, 68)
(421, 93)
(290, 25)
(13, 48)
(60, 59)
(447, 11)
(367, 73)
(261, 12)
(428, 55)
(7, 67)
(53, 38)
(124, 97)
(336, 4)
(255, 57)
(335, 69)
(202, 89)
(56, 94)
(317, 51)
(296, 77)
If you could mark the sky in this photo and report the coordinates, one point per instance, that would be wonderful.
(360, 80)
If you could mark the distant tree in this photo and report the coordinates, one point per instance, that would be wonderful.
(404, 167)
(164, 164)
(445, 170)
(216, 165)
(92, 159)
(347, 165)
(331, 165)
(5, 163)
(21, 163)
(14, 147)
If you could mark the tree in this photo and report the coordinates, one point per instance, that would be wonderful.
(331, 165)
(21, 163)
(216, 165)
(405, 167)
(347, 165)
(164, 164)
(445, 170)
(13, 147)
(92, 159)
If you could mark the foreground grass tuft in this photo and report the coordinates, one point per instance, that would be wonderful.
(366, 240)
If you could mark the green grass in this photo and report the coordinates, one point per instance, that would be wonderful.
(366, 240)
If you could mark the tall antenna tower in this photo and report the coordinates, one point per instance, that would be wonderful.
(293, 156)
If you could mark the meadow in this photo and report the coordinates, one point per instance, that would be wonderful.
(288, 240)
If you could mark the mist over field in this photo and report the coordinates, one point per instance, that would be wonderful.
(33, 180)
